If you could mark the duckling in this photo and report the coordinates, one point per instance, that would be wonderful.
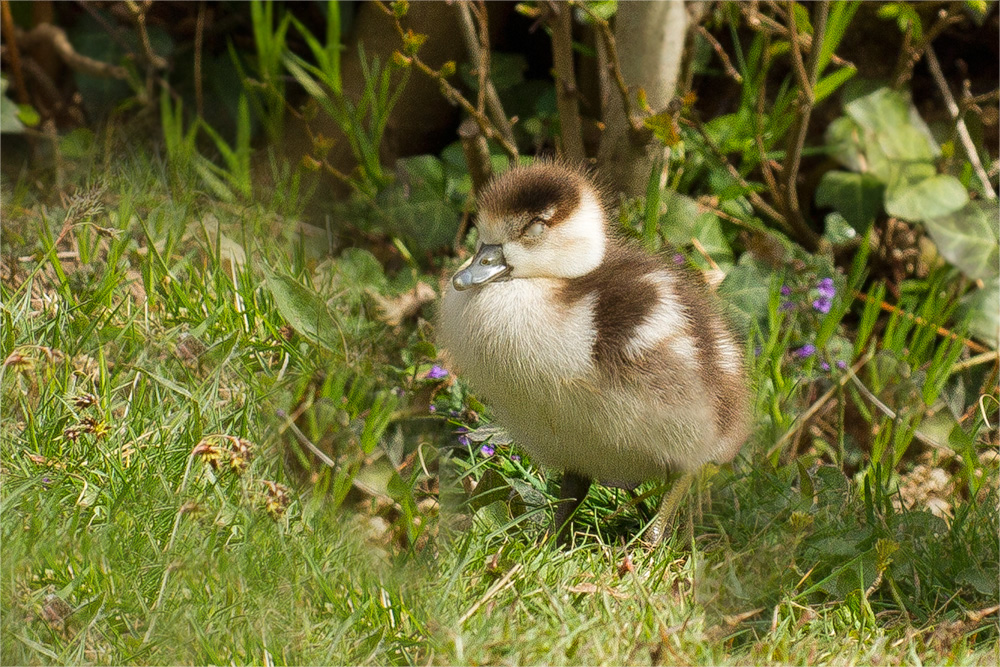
(601, 360)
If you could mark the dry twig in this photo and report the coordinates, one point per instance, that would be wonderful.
(478, 46)
(963, 131)
(449, 91)
(560, 20)
(797, 137)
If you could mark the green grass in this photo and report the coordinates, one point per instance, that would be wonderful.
(130, 365)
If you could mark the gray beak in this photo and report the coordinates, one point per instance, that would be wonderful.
(488, 265)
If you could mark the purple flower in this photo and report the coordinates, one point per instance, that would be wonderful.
(785, 290)
(515, 457)
(825, 366)
(805, 351)
(46, 481)
(463, 440)
(841, 364)
(678, 258)
(822, 304)
(487, 450)
(787, 305)
(436, 373)
(757, 350)
(826, 289)
(453, 413)
(432, 408)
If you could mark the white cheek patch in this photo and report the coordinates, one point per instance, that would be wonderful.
(569, 249)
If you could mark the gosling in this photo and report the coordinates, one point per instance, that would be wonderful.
(601, 360)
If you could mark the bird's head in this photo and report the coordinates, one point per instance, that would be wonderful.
(540, 221)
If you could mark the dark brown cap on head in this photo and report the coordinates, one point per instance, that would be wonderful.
(532, 190)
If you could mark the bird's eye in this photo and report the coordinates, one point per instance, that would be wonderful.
(535, 229)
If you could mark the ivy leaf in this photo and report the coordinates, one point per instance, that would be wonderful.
(304, 310)
(745, 291)
(857, 197)
(920, 199)
(968, 239)
(980, 306)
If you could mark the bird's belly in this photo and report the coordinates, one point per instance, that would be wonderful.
(532, 362)
(612, 435)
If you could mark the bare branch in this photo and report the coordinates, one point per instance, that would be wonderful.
(13, 52)
(910, 55)
(614, 64)
(56, 37)
(755, 199)
(727, 64)
(477, 154)
(963, 131)
(478, 47)
(797, 137)
(450, 92)
(561, 22)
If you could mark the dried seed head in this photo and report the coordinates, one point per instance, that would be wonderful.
(276, 499)
(85, 401)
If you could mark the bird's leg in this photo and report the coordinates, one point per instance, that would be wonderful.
(668, 509)
(572, 490)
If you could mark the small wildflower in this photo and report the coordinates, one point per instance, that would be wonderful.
(20, 361)
(487, 450)
(72, 433)
(46, 481)
(785, 290)
(826, 288)
(240, 455)
(822, 304)
(432, 409)
(787, 305)
(515, 457)
(757, 350)
(453, 413)
(85, 401)
(841, 364)
(805, 351)
(678, 258)
(436, 373)
(463, 440)
(399, 392)
(209, 451)
(276, 498)
(825, 366)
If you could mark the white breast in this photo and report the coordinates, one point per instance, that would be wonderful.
(530, 357)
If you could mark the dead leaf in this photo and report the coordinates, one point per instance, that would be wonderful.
(736, 619)
(585, 587)
(406, 305)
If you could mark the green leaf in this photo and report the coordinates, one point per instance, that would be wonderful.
(305, 311)
(829, 84)
(891, 131)
(10, 121)
(839, 19)
(968, 238)
(801, 15)
(678, 223)
(980, 307)
(857, 197)
(745, 290)
(846, 141)
(932, 197)
(419, 206)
